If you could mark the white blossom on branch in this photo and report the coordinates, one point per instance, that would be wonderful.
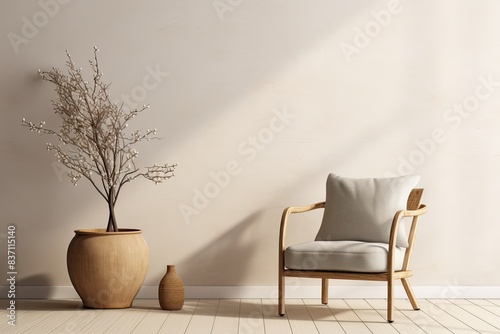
(92, 140)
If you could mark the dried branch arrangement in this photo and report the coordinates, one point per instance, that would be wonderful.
(92, 141)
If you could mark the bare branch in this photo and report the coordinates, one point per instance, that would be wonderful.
(93, 140)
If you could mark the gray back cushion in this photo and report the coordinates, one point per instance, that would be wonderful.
(362, 209)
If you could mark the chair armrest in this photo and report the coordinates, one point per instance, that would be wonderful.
(300, 209)
(422, 209)
(284, 221)
(401, 214)
(412, 213)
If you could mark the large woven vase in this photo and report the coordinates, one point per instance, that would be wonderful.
(171, 290)
(107, 269)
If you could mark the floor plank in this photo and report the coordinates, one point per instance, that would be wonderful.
(405, 325)
(24, 319)
(372, 319)
(444, 318)
(151, 323)
(51, 322)
(342, 311)
(102, 321)
(78, 321)
(487, 305)
(495, 301)
(178, 321)
(299, 317)
(227, 317)
(258, 316)
(203, 317)
(273, 323)
(421, 319)
(378, 304)
(329, 327)
(354, 327)
(318, 311)
(461, 309)
(251, 317)
(127, 322)
(381, 328)
(323, 318)
(370, 316)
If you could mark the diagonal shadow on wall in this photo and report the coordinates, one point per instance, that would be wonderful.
(228, 254)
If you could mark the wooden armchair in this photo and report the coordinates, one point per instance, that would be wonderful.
(349, 256)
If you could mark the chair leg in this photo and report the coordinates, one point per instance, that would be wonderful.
(281, 295)
(324, 291)
(410, 294)
(390, 300)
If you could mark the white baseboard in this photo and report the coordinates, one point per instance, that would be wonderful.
(372, 291)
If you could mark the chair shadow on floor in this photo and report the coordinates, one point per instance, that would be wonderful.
(307, 310)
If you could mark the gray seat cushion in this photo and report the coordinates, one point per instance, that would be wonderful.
(363, 208)
(352, 256)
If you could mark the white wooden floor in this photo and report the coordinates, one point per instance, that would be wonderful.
(252, 316)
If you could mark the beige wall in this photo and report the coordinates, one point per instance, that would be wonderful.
(281, 93)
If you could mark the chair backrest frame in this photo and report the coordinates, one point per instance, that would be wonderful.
(413, 203)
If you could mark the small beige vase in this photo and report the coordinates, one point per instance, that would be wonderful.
(171, 290)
